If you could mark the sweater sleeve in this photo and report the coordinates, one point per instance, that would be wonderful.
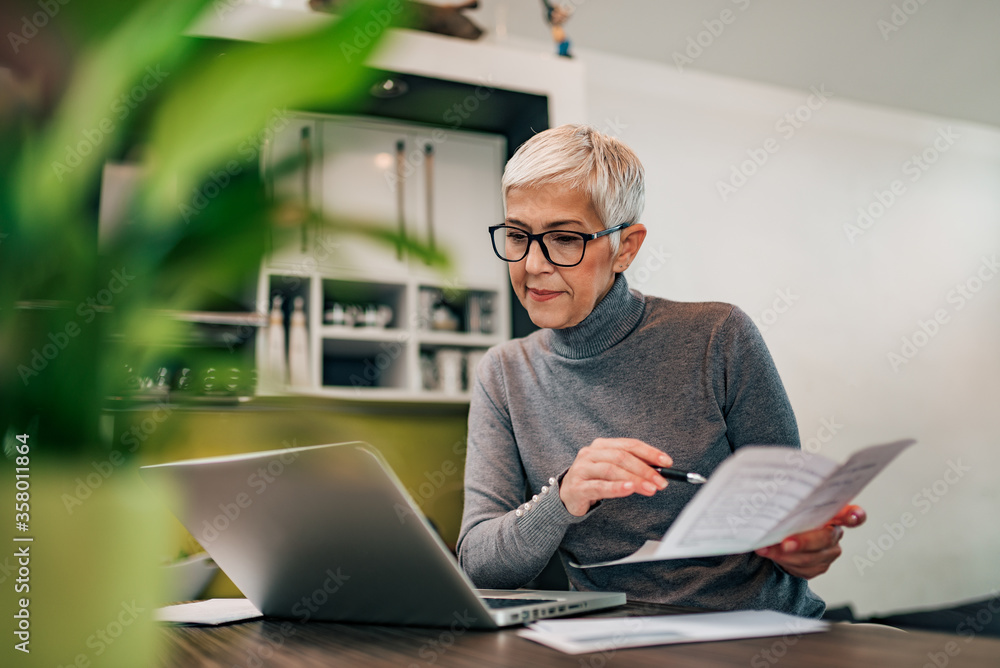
(504, 541)
(756, 408)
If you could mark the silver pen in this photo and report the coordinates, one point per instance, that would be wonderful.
(682, 476)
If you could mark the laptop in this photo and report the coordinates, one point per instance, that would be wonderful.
(328, 533)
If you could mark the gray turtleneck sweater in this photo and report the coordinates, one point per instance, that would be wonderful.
(693, 379)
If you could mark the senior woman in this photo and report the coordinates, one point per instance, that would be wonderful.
(567, 424)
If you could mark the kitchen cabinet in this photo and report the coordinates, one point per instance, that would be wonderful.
(382, 324)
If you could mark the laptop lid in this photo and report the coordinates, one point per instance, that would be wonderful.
(329, 533)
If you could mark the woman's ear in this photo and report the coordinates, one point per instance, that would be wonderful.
(629, 245)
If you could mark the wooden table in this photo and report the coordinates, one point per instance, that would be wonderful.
(281, 644)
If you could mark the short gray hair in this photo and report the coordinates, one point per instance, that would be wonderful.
(584, 159)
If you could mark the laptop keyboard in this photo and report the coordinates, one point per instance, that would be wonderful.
(514, 602)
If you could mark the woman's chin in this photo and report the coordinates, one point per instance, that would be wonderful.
(548, 318)
(543, 317)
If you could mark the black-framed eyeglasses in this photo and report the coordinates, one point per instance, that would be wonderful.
(563, 248)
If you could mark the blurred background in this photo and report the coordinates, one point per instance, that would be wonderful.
(240, 226)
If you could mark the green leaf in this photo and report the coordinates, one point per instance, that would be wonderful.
(57, 170)
(205, 118)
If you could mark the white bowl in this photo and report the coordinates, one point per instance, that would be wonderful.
(187, 579)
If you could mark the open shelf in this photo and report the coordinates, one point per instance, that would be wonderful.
(363, 364)
(458, 339)
(344, 333)
(401, 362)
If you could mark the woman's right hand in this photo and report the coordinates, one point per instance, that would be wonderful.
(611, 468)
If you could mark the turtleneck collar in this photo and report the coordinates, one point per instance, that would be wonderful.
(612, 320)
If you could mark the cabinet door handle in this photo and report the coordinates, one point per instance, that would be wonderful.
(429, 179)
(400, 200)
(306, 150)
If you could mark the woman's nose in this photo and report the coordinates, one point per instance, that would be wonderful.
(536, 262)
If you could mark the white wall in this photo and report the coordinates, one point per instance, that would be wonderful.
(779, 242)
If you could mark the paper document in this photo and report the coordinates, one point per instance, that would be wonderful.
(761, 495)
(576, 636)
(211, 612)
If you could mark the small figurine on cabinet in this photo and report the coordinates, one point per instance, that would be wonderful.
(556, 16)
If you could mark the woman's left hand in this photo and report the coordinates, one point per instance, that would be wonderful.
(810, 553)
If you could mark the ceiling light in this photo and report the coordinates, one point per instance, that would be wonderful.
(389, 87)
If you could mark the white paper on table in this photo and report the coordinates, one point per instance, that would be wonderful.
(576, 636)
(211, 612)
(761, 495)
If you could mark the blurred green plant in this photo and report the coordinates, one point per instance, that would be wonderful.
(100, 80)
